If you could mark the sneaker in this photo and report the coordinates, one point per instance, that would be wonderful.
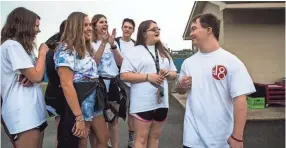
(109, 144)
(130, 144)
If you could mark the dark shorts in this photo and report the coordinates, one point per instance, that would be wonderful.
(186, 147)
(158, 115)
(41, 127)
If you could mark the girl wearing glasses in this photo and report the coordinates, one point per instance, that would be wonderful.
(147, 68)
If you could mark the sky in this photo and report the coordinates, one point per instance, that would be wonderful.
(171, 15)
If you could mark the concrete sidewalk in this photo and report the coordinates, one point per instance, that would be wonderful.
(268, 113)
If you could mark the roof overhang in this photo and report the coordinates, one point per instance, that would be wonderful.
(199, 6)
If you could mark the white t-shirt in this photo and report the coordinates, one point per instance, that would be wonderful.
(125, 47)
(143, 95)
(23, 107)
(107, 66)
(217, 78)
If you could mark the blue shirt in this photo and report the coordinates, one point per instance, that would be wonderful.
(82, 68)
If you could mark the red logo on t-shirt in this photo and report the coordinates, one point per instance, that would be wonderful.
(219, 72)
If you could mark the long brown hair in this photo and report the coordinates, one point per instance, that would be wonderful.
(94, 21)
(141, 40)
(73, 34)
(20, 26)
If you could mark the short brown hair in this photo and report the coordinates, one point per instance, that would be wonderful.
(129, 21)
(209, 20)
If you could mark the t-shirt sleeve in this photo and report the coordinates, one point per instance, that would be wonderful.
(172, 65)
(127, 65)
(63, 58)
(240, 81)
(18, 57)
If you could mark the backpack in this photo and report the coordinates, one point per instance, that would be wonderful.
(118, 41)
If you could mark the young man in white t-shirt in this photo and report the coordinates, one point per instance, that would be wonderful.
(217, 83)
(126, 43)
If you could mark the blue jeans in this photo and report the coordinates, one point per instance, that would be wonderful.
(87, 107)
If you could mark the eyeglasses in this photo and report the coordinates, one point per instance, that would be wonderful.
(153, 29)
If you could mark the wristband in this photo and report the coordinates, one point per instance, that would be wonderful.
(113, 47)
(238, 140)
(78, 115)
(79, 120)
(147, 77)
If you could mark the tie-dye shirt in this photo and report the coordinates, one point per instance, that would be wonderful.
(82, 68)
(107, 66)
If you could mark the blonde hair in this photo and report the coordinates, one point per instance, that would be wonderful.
(73, 34)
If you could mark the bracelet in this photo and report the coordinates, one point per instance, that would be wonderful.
(236, 139)
(79, 115)
(147, 77)
(79, 120)
(113, 47)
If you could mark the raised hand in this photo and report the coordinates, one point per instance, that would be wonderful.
(112, 37)
(105, 37)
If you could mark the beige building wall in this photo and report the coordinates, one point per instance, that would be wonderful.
(257, 37)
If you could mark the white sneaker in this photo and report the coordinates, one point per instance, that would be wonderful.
(130, 144)
(109, 144)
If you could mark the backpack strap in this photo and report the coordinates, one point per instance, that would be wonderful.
(118, 42)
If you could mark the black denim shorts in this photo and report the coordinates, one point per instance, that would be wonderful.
(41, 127)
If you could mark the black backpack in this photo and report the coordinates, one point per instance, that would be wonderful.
(118, 42)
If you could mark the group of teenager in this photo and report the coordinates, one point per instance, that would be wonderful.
(95, 78)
